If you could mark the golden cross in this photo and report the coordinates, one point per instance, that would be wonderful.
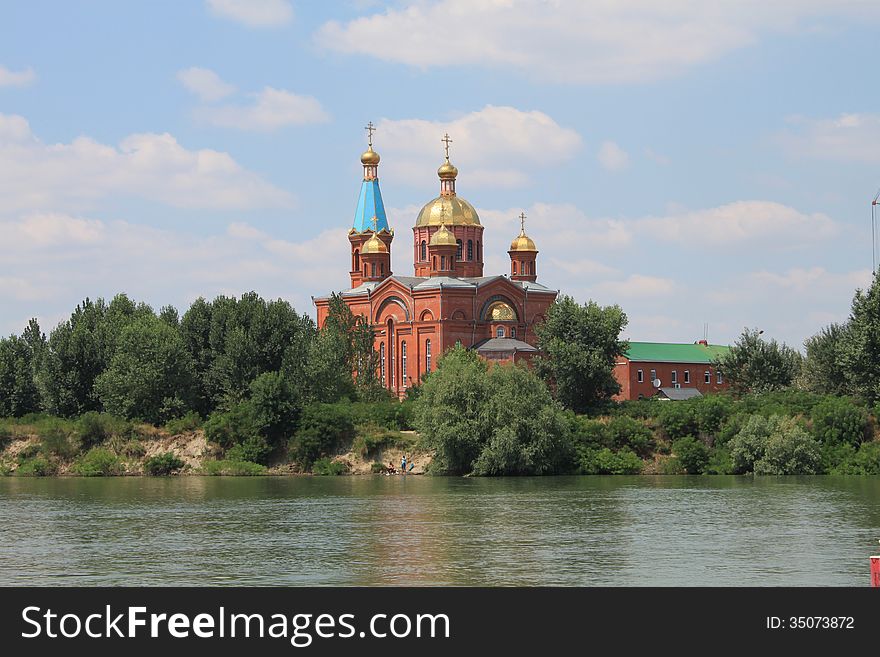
(447, 141)
(370, 128)
(522, 221)
(375, 224)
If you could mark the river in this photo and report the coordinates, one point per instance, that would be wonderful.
(375, 530)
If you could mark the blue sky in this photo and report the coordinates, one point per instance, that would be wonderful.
(693, 162)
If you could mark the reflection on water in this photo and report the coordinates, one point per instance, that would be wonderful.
(568, 531)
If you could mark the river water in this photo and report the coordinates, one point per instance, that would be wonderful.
(375, 530)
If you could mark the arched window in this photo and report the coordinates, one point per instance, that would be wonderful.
(403, 362)
(443, 262)
(479, 252)
(365, 269)
(499, 332)
(470, 250)
(514, 267)
(424, 250)
(382, 362)
(357, 260)
(381, 268)
(532, 267)
(522, 267)
(428, 355)
(513, 331)
(435, 262)
(373, 269)
(458, 253)
(392, 364)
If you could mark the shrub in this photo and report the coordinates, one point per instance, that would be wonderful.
(28, 452)
(720, 462)
(97, 462)
(189, 422)
(5, 436)
(96, 428)
(589, 433)
(624, 431)
(233, 468)
(370, 440)
(837, 420)
(322, 427)
(231, 427)
(835, 457)
(37, 466)
(162, 464)
(254, 449)
(711, 412)
(56, 439)
(324, 467)
(604, 461)
(671, 466)
(774, 445)
(692, 454)
(678, 419)
(377, 468)
(864, 462)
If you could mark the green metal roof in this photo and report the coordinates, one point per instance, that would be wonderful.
(666, 352)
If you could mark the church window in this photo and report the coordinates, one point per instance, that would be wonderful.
(373, 269)
(513, 331)
(382, 268)
(357, 260)
(522, 267)
(435, 262)
(424, 250)
(499, 332)
(479, 252)
(428, 355)
(641, 376)
(382, 362)
(470, 252)
(458, 253)
(403, 362)
(532, 267)
(365, 269)
(514, 267)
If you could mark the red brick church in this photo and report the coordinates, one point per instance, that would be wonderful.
(447, 299)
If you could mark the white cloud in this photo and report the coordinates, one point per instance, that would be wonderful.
(739, 222)
(254, 13)
(635, 286)
(494, 146)
(39, 176)
(205, 83)
(16, 78)
(573, 41)
(849, 137)
(271, 109)
(612, 157)
(58, 260)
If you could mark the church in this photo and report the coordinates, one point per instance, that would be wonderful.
(448, 299)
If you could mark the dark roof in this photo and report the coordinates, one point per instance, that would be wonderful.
(680, 394)
(503, 344)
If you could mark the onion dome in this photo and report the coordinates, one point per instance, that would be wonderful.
(447, 170)
(374, 245)
(443, 237)
(451, 210)
(370, 157)
(523, 243)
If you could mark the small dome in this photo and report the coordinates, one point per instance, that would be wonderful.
(374, 245)
(447, 170)
(449, 210)
(443, 237)
(370, 157)
(523, 243)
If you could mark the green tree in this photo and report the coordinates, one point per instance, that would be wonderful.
(860, 353)
(837, 420)
(275, 407)
(452, 411)
(692, 454)
(753, 364)
(581, 345)
(150, 376)
(823, 370)
(18, 390)
(774, 445)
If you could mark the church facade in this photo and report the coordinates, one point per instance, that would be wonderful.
(448, 299)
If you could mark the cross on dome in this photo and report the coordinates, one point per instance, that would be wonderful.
(446, 140)
(522, 222)
(370, 128)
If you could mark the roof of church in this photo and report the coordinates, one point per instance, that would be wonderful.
(503, 344)
(436, 282)
(370, 205)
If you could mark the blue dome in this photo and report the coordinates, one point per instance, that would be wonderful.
(370, 205)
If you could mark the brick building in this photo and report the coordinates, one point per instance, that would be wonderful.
(676, 366)
(448, 299)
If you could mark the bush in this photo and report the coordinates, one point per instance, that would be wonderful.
(624, 431)
(589, 433)
(96, 428)
(162, 464)
(604, 461)
(56, 439)
(5, 436)
(231, 427)
(670, 466)
(324, 467)
(233, 468)
(377, 468)
(678, 419)
(97, 462)
(837, 420)
(37, 466)
(189, 422)
(720, 462)
(774, 445)
(692, 454)
(711, 412)
(322, 427)
(254, 449)
(864, 462)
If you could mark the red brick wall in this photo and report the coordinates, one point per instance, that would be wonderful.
(626, 373)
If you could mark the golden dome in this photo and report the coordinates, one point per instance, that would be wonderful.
(500, 311)
(451, 210)
(370, 157)
(443, 237)
(374, 245)
(523, 243)
(447, 170)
